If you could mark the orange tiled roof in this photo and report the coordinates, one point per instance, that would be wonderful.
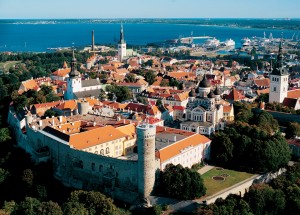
(235, 95)
(262, 82)
(128, 130)
(264, 91)
(227, 109)
(62, 72)
(46, 105)
(30, 84)
(69, 128)
(92, 101)
(175, 149)
(95, 137)
(69, 104)
(294, 94)
(122, 71)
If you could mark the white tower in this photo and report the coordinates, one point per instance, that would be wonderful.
(146, 158)
(121, 46)
(279, 80)
(73, 81)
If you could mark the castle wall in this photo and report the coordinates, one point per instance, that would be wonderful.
(82, 170)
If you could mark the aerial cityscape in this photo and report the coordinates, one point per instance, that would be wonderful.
(138, 107)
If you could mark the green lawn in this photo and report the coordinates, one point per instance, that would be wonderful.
(8, 64)
(214, 186)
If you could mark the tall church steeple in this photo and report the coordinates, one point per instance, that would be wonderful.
(121, 35)
(279, 79)
(74, 73)
(74, 81)
(121, 45)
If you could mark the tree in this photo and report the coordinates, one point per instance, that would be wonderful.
(46, 89)
(50, 208)
(27, 177)
(4, 135)
(52, 97)
(164, 83)
(74, 208)
(181, 183)
(292, 130)
(158, 102)
(263, 199)
(121, 92)
(3, 175)
(130, 77)
(29, 206)
(50, 112)
(20, 102)
(102, 95)
(94, 202)
(150, 77)
(221, 149)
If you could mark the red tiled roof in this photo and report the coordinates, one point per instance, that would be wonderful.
(176, 148)
(293, 94)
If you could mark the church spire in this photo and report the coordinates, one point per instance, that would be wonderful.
(280, 55)
(280, 68)
(121, 35)
(74, 73)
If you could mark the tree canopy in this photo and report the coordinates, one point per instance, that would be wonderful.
(252, 143)
(181, 183)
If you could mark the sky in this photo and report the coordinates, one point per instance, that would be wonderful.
(60, 9)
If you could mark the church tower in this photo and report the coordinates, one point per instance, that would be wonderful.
(121, 46)
(73, 81)
(279, 80)
(146, 159)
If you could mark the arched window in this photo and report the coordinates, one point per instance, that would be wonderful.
(101, 152)
(93, 166)
(100, 168)
(107, 150)
(96, 152)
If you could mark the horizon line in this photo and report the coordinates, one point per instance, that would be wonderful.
(282, 18)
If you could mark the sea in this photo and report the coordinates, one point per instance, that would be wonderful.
(42, 35)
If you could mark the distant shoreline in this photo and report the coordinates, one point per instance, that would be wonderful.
(279, 24)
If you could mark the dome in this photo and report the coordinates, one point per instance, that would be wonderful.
(211, 95)
(204, 83)
(217, 91)
(192, 93)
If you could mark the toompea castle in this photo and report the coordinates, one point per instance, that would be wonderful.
(119, 157)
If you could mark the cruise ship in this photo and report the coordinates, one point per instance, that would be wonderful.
(212, 43)
(246, 41)
(229, 43)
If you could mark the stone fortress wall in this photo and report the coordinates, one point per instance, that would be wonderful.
(125, 179)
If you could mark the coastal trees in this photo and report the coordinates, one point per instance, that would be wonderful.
(292, 130)
(252, 143)
(181, 183)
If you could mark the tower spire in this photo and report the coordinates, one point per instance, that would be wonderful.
(121, 35)
(280, 54)
(74, 73)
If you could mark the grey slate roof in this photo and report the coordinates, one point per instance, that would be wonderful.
(87, 93)
(90, 83)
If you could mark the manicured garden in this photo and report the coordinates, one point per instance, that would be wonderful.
(218, 179)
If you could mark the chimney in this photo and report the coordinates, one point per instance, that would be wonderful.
(40, 123)
(60, 118)
(93, 40)
(175, 139)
